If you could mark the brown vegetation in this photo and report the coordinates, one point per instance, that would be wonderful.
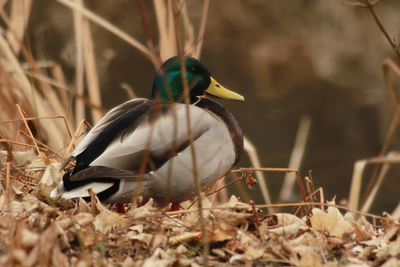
(42, 117)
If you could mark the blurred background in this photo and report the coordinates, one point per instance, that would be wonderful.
(320, 60)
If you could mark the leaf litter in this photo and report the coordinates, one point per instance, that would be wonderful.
(38, 231)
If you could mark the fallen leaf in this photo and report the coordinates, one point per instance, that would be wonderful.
(158, 258)
(392, 262)
(185, 237)
(217, 235)
(235, 204)
(290, 230)
(107, 219)
(330, 222)
(137, 228)
(145, 212)
(52, 175)
(29, 238)
(230, 217)
(84, 218)
(144, 238)
(310, 260)
(20, 158)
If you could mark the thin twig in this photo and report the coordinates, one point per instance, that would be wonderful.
(203, 23)
(321, 197)
(255, 217)
(386, 144)
(389, 67)
(79, 69)
(151, 44)
(296, 157)
(41, 144)
(93, 202)
(370, 5)
(196, 180)
(358, 4)
(66, 88)
(19, 179)
(74, 137)
(225, 186)
(16, 143)
(21, 113)
(264, 170)
(40, 118)
(255, 162)
(298, 177)
(217, 190)
(7, 192)
(280, 205)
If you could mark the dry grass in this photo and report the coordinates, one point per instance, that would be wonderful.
(40, 132)
(38, 231)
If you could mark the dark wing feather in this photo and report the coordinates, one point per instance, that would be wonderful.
(99, 174)
(119, 121)
(104, 172)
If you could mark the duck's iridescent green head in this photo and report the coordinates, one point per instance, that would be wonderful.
(168, 84)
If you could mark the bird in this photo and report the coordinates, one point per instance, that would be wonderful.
(146, 147)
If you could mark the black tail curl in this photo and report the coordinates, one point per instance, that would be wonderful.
(70, 185)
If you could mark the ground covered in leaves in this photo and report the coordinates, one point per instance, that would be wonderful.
(37, 231)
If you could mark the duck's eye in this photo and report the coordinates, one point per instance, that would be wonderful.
(192, 69)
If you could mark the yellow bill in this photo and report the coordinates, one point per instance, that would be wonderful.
(218, 90)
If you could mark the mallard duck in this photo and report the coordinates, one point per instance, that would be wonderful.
(141, 147)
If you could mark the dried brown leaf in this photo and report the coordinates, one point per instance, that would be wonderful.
(235, 204)
(143, 237)
(107, 219)
(185, 237)
(52, 174)
(284, 219)
(145, 212)
(29, 238)
(330, 222)
(64, 222)
(290, 230)
(394, 249)
(392, 262)
(388, 223)
(84, 218)
(310, 260)
(218, 235)
(230, 217)
(158, 258)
